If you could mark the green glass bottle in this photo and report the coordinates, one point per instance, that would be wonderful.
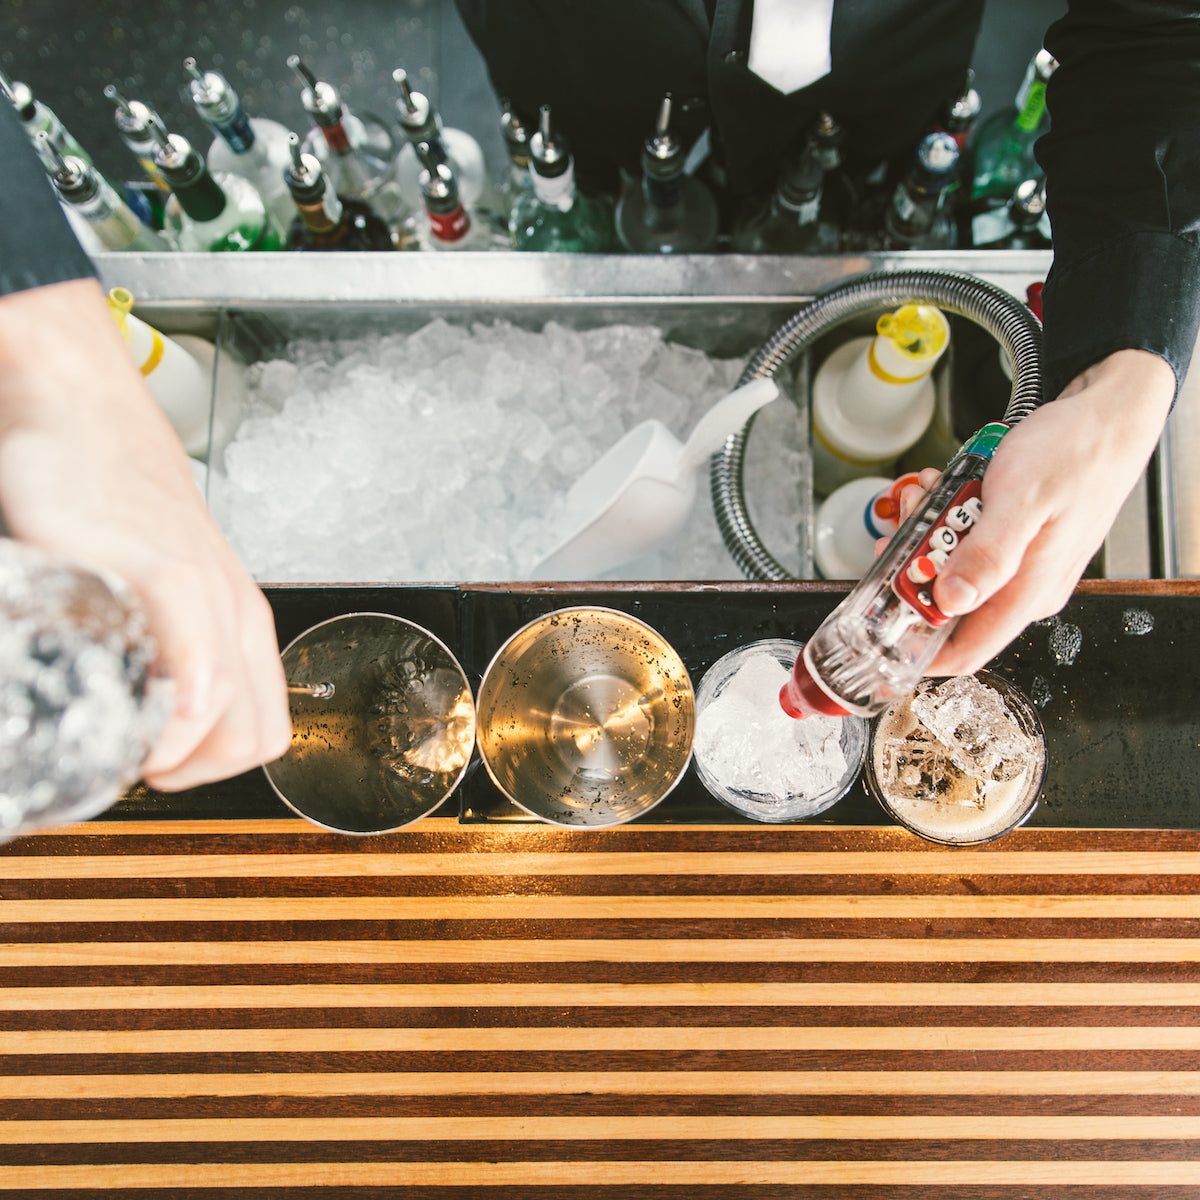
(1003, 146)
(206, 211)
(556, 215)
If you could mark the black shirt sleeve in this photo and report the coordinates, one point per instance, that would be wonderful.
(37, 245)
(1122, 162)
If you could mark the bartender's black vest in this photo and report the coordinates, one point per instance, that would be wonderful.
(603, 66)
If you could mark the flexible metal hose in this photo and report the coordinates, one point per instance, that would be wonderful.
(1008, 320)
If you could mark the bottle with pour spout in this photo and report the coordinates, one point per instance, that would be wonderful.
(207, 211)
(255, 148)
(133, 119)
(873, 398)
(421, 123)
(355, 149)
(92, 197)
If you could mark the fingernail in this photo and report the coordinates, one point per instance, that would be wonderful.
(955, 595)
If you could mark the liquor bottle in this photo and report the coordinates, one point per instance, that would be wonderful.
(37, 117)
(918, 217)
(132, 119)
(556, 215)
(840, 198)
(448, 225)
(1003, 147)
(517, 183)
(873, 397)
(960, 113)
(207, 211)
(88, 193)
(790, 222)
(323, 220)
(421, 123)
(668, 212)
(1022, 224)
(356, 150)
(255, 148)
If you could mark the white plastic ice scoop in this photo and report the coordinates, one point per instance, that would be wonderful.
(639, 493)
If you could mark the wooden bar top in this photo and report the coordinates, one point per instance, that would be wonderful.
(259, 1008)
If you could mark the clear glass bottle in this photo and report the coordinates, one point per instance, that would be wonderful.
(1022, 224)
(668, 212)
(421, 123)
(207, 211)
(1003, 146)
(89, 194)
(37, 117)
(448, 223)
(255, 148)
(356, 150)
(517, 182)
(918, 217)
(323, 220)
(556, 215)
(840, 198)
(790, 222)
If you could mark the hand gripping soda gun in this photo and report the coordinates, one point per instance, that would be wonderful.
(877, 643)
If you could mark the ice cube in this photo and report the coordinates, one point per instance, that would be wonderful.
(972, 721)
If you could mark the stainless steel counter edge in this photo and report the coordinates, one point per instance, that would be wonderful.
(418, 278)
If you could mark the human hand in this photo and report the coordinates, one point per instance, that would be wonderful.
(90, 467)
(1050, 495)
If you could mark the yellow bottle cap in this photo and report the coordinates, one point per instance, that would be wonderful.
(918, 331)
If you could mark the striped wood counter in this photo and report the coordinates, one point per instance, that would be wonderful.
(260, 1008)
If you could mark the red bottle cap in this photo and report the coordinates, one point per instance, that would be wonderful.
(1033, 298)
(802, 696)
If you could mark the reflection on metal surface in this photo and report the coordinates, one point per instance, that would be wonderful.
(390, 739)
(586, 718)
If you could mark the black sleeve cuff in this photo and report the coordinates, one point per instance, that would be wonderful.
(1146, 283)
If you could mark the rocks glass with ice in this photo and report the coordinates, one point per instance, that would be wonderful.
(959, 761)
(755, 758)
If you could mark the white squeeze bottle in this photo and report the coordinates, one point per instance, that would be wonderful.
(178, 381)
(851, 520)
(873, 398)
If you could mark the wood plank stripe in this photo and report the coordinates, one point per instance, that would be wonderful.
(549, 865)
(610, 1016)
(611, 950)
(657, 1037)
(775, 995)
(485, 1177)
(516, 908)
(618, 1083)
(440, 833)
(634, 1128)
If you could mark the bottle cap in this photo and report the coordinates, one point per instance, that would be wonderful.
(516, 135)
(802, 696)
(132, 117)
(916, 331)
(1033, 298)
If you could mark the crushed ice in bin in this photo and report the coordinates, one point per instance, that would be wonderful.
(444, 454)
